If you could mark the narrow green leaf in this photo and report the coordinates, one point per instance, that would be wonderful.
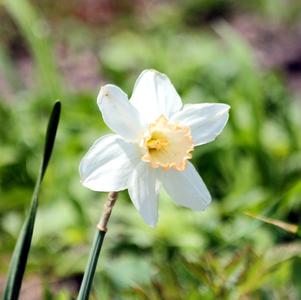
(50, 136)
(292, 228)
(21, 251)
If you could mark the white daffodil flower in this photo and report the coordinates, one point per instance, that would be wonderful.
(153, 141)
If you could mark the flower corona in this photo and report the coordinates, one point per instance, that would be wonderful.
(167, 145)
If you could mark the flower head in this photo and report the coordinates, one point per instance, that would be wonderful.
(154, 139)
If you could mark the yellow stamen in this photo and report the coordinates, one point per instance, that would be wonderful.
(167, 145)
(156, 142)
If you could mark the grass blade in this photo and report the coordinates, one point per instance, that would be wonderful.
(291, 228)
(21, 251)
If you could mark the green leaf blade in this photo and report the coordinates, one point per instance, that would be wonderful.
(21, 251)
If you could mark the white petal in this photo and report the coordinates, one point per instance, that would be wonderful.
(107, 165)
(186, 187)
(155, 95)
(118, 113)
(143, 191)
(206, 120)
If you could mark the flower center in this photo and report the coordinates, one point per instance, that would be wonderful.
(167, 145)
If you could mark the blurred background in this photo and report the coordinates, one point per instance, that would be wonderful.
(244, 53)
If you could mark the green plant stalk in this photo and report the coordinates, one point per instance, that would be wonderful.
(21, 251)
(87, 281)
(91, 265)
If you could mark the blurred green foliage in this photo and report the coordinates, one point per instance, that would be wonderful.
(255, 165)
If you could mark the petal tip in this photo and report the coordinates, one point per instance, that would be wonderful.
(107, 91)
(152, 223)
(228, 107)
(225, 107)
(154, 73)
(103, 92)
(150, 71)
(203, 206)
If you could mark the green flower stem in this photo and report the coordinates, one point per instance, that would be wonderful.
(96, 247)
(91, 266)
